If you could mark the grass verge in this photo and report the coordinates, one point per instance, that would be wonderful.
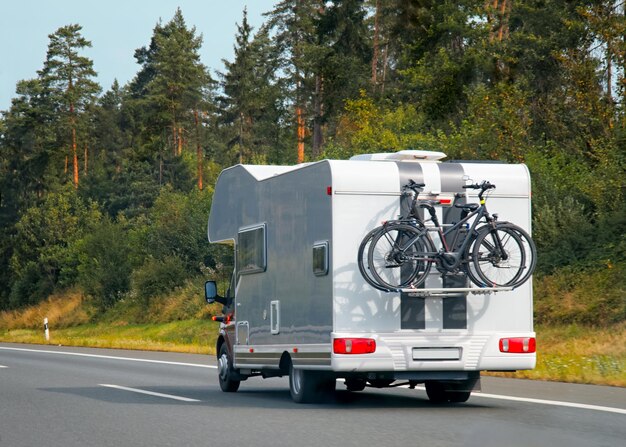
(191, 336)
(180, 322)
(579, 354)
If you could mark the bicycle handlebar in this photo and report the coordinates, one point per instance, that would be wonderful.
(484, 186)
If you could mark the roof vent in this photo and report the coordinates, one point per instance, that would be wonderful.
(406, 155)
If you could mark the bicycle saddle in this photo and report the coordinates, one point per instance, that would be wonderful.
(467, 206)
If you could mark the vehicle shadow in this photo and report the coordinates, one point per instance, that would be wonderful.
(276, 398)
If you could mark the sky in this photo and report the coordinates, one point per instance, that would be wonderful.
(116, 28)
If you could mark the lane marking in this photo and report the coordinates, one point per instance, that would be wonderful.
(149, 393)
(2, 366)
(195, 365)
(552, 402)
(531, 400)
(109, 357)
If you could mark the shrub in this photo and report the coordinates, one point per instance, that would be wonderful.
(158, 276)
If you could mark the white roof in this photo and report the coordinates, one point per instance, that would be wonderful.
(406, 155)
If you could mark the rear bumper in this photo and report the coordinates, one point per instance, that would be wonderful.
(424, 351)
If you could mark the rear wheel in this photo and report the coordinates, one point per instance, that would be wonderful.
(225, 371)
(355, 384)
(400, 256)
(310, 386)
(438, 393)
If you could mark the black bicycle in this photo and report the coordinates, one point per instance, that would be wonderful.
(401, 253)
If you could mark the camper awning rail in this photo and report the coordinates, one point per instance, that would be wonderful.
(454, 291)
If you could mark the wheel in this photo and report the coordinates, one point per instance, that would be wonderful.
(355, 384)
(499, 257)
(362, 258)
(225, 371)
(400, 256)
(439, 394)
(436, 392)
(458, 397)
(530, 249)
(309, 386)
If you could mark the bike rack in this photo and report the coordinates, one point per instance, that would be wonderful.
(453, 291)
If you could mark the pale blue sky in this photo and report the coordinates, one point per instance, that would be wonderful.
(115, 28)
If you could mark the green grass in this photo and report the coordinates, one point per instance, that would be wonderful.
(191, 336)
(579, 354)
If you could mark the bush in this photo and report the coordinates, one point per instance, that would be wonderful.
(158, 276)
(105, 264)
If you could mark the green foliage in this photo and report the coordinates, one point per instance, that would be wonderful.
(535, 82)
(45, 252)
(158, 276)
(105, 263)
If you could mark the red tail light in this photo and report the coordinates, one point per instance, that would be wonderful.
(518, 345)
(354, 345)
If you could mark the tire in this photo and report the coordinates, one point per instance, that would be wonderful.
(225, 371)
(362, 258)
(355, 384)
(438, 394)
(400, 256)
(529, 248)
(308, 387)
(499, 257)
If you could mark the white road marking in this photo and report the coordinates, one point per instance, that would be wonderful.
(149, 393)
(195, 365)
(531, 400)
(98, 356)
(2, 366)
(551, 402)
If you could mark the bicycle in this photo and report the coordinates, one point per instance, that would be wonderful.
(401, 252)
(411, 216)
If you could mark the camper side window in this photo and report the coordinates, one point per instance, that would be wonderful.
(251, 257)
(320, 258)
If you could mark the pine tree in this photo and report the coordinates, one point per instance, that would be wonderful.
(250, 104)
(69, 75)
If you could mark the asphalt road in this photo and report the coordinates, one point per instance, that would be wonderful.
(60, 396)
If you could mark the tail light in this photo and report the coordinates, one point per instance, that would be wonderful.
(518, 345)
(354, 345)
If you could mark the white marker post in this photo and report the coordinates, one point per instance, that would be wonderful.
(45, 329)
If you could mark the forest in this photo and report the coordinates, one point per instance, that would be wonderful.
(107, 189)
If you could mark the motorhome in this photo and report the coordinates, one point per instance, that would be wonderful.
(298, 305)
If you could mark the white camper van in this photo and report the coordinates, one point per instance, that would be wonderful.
(299, 306)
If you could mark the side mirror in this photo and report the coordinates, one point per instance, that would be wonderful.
(210, 294)
(210, 291)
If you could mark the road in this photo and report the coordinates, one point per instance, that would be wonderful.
(60, 396)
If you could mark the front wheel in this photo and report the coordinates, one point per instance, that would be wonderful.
(530, 250)
(225, 371)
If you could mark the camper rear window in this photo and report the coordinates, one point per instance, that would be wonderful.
(251, 251)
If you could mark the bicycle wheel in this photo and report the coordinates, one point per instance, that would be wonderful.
(362, 258)
(400, 256)
(499, 257)
(530, 249)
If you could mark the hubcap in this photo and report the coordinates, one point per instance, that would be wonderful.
(222, 365)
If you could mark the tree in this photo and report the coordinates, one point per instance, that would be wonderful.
(250, 106)
(69, 75)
